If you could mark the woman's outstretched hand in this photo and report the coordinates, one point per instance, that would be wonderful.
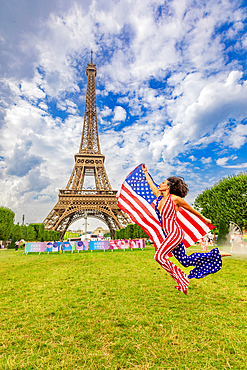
(150, 182)
(208, 221)
(144, 168)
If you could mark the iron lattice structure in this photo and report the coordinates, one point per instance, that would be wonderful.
(74, 201)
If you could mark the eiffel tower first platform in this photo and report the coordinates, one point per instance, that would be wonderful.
(74, 201)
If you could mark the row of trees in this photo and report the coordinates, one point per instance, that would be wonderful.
(34, 232)
(31, 232)
(131, 231)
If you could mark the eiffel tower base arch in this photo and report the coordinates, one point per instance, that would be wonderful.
(105, 210)
(112, 222)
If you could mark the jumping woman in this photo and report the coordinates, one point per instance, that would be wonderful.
(170, 196)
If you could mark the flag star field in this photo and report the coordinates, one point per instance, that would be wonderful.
(138, 183)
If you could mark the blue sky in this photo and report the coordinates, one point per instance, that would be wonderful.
(171, 92)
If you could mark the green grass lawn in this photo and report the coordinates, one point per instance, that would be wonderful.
(118, 311)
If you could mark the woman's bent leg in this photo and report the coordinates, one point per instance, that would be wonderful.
(161, 256)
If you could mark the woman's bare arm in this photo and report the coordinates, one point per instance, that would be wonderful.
(181, 203)
(154, 188)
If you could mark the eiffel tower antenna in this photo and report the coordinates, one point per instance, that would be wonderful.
(90, 136)
(75, 201)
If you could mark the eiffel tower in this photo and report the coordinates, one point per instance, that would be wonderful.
(74, 201)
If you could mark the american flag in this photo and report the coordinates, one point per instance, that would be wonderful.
(138, 201)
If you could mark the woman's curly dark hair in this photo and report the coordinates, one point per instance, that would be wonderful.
(177, 186)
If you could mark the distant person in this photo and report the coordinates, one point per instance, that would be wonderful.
(16, 245)
(204, 244)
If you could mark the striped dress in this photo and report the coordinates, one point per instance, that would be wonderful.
(203, 263)
(174, 236)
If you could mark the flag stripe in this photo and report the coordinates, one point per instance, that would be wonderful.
(137, 205)
(136, 211)
(189, 235)
(147, 226)
(194, 220)
(141, 208)
(197, 220)
(145, 207)
(189, 228)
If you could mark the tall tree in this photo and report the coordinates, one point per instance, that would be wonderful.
(129, 234)
(6, 223)
(36, 229)
(31, 233)
(122, 234)
(16, 232)
(137, 231)
(226, 200)
(41, 232)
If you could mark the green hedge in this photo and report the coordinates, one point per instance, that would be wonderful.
(32, 232)
(132, 231)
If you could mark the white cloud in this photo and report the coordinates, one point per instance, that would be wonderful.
(193, 158)
(237, 137)
(105, 112)
(223, 162)
(237, 166)
(68, 106)
(244, 41)
(31, 90)
(119, 114)
(206, 160)
(43, 106)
